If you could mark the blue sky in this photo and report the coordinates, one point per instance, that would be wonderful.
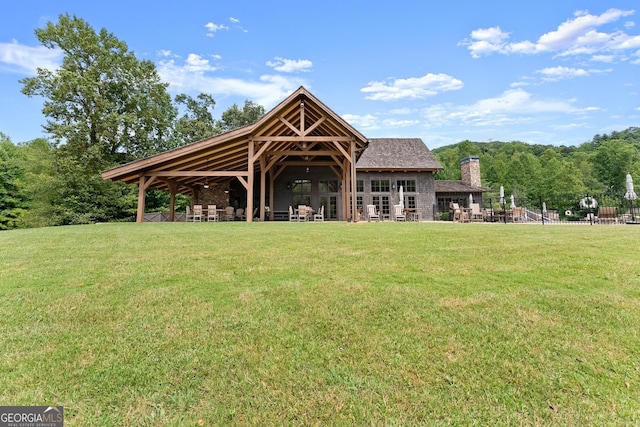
(543, 72)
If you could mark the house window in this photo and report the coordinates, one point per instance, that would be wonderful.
(379, 185)
(301, 192)
(408, 185)
(359, 186)
(359, 203)
(330, 186)
(382, 204)
(410, 202)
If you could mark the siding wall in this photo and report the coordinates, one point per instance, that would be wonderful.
(425, 189)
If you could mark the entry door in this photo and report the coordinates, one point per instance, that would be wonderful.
(330, 204)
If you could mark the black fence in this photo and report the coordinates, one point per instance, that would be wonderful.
(589, 208)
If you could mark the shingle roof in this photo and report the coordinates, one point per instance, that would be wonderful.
(447, 186)
(397, 153)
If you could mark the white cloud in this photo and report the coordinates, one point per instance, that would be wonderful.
(22, 59)
(214, 28)
(412, 88)
(290, 65)
(576, 36)
(608, 59)
(512, 106)
(367, 121)
(196, 63)
(194, 75)
(563, 73)
(234, 20)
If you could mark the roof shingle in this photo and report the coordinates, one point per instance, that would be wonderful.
(397, 153)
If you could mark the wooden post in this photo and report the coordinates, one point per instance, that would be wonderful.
(173, 187)
(250, 162)
(141, 200)
(354, 208)
(263, 186)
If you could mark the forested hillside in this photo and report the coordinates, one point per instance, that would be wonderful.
(533, 172)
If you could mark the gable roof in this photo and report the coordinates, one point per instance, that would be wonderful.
(298, 128)
(451, 186)
(397, 153)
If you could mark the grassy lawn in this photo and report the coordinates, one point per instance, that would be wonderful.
(323, 324)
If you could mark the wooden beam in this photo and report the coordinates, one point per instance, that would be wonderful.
(342, 150)
(289, 125)
(302, 138)
(315, 125)
(197, 173)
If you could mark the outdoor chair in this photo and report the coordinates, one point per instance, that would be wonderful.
(293, 217)
(212, 214)
(398, 213)
(320, 215)
(519, 214)
(372, 213)
(476, 213)
(302, 213)
(229, 212)
(608, 215)
(240, 216)
(197, 213)
(188, 215)
(459, 214)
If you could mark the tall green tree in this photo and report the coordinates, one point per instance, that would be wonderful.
(103, 107)
(197, 122)
(234, 117)
(13, 198)
(103, 104)
(612, 161)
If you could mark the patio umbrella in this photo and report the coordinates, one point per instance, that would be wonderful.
(630, 194)
(401, 197)
(501, 195)
(470, 199)
(544, 208)
(513, 202)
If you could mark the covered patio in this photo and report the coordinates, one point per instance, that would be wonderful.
(299, 133)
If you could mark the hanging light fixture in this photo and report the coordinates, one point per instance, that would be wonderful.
(206, 180)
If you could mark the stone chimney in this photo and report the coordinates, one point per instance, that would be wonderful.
(470, 168)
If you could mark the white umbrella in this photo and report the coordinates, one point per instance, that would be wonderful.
(544, 207)
(470, 199)
(513, 202)
(401, 197)
(502, 195)
(630, 194)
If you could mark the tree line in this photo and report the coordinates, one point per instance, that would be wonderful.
(544, 172)
(103, 108)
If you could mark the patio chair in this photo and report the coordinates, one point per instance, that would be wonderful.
(302, 213)
(229, 212)
(188, 215)
(240, 216)
(476, 213)
(212, 214)
(459, 214)
(398, 213)
(372, 213)
(197, 213)
(320, 215)
(293, 217)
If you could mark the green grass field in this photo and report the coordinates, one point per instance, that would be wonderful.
(323, 324)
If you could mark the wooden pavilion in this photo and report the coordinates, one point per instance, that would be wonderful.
(299, 132)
